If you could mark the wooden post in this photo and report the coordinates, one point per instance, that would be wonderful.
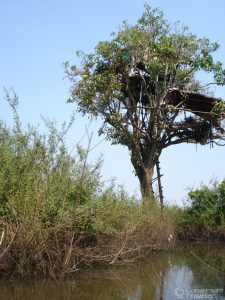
(159, 185)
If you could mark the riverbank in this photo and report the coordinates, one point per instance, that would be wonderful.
(104, 232)
(56, 214)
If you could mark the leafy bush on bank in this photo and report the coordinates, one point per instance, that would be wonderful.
(204, 217)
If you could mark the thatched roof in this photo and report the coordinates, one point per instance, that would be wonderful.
(195, 102)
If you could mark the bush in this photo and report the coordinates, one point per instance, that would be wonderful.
(205, 215)
(56, 213)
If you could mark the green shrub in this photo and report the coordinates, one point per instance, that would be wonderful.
(39, 179)
(205, 213)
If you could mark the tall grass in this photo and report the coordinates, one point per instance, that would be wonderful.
(56, 214)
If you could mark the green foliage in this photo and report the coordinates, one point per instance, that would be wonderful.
(39, 179)
(206, 212)
(163, 49)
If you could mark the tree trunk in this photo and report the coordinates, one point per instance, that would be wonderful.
(144, 164)
(145, 179)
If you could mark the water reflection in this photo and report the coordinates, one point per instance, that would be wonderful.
(196, 271)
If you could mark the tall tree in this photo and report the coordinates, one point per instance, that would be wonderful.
(142, 83)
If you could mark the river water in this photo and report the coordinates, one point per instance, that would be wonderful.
(193, 271)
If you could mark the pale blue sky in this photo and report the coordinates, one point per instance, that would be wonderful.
(38, 36)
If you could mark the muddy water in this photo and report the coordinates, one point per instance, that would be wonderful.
(193, 271)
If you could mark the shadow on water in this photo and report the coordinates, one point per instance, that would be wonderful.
(193, 271)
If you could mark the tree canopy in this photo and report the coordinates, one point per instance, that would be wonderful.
(143, 84)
